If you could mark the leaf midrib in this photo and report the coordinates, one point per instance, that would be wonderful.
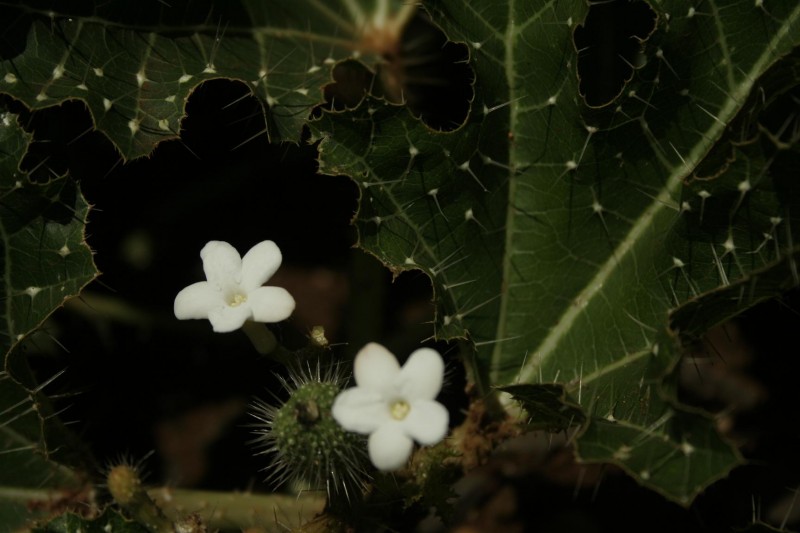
(547, 347)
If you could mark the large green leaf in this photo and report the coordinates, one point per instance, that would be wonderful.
(135, 77)
(558, 236)
(44, 259)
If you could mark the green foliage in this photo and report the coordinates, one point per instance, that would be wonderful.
(576, 245)
(43, 256)
(135, 78)
(31, 483)
(547, 402)
(109, 521)
(561, 247)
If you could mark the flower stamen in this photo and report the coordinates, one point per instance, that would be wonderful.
(237, 300)
(399, 409)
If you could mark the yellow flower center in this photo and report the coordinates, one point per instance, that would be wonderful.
(237, 300)
(399, 409)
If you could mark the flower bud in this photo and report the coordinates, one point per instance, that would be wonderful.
(125, 485)
(306, 443)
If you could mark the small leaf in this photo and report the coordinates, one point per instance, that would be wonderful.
(545, 406)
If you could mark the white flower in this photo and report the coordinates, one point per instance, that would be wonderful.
(395, 406)
(234, 292)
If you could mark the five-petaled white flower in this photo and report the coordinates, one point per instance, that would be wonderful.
(233, 292)
(395, 406)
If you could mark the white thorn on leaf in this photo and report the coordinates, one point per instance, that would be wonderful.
(33, 291)
(728, 244)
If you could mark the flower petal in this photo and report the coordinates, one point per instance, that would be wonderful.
(270, 304)
(197, 300)
(422, 375)
(389, 447)
(360, 410)
(376, 368)
(259, 264)
(227, 318)
(426, 422)
(222, 264)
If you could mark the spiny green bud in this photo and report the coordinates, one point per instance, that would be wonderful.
(125, 486)
(306, 443)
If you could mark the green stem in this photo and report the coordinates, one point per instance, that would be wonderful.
(262, 338)
(478, 376)
(232, 510)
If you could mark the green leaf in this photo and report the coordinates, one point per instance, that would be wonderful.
(547, 403)
(561, 247)
(31, 483)
(44, 259)
(135, 78)
(692, 319)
